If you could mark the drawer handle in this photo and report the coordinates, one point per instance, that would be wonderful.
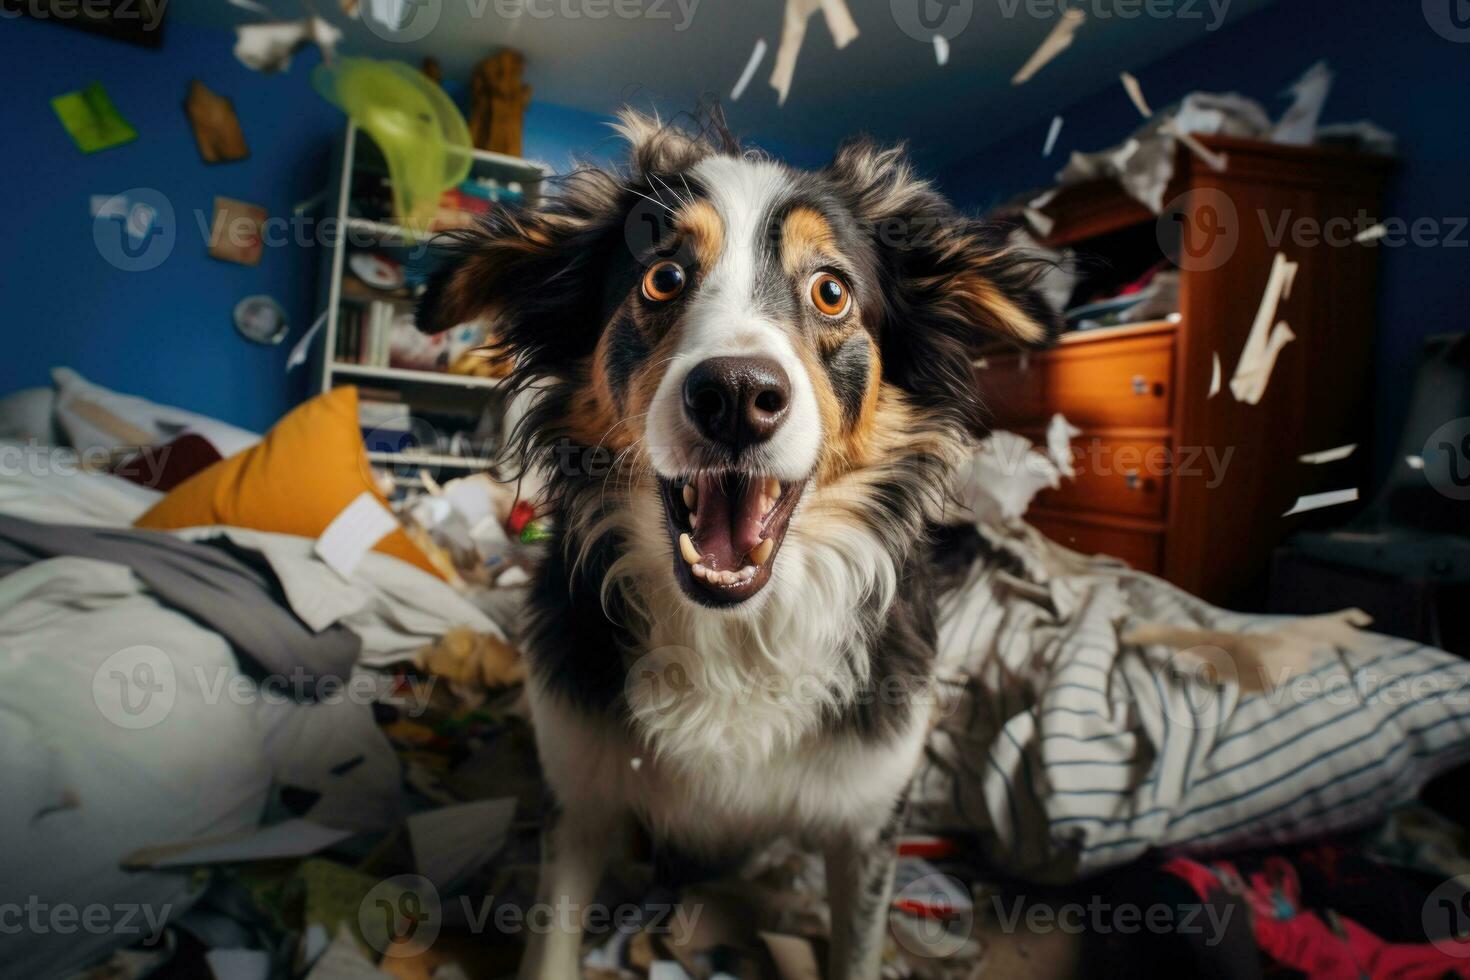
(1141, 387)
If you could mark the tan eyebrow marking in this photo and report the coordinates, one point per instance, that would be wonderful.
(700, 223)
(805, 234)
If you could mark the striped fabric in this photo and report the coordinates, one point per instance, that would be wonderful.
(1069, 751)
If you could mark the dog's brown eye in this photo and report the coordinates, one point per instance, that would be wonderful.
(829, 294)
(663, 282)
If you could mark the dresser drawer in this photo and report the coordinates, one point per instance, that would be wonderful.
(1115, 475)
(1141, 549)
(1119, 382)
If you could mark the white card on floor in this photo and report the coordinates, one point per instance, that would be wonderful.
(362, 524)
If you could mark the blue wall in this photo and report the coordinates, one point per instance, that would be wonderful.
(166, 333)
(1391, 68)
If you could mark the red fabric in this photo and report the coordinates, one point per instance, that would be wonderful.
(165, 467)
(1304, 941)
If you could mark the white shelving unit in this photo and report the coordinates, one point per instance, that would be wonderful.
(420, 391)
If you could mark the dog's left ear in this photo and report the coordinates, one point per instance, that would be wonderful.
(951, 282)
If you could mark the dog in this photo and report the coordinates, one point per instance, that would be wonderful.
(753, 384)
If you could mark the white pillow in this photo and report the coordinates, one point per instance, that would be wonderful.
(98, 419)
(30, 415)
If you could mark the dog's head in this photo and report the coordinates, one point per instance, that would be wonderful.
(739, 335)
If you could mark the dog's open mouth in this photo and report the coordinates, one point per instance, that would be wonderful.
(726, 530)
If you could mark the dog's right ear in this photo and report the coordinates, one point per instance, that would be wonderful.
(531, 274)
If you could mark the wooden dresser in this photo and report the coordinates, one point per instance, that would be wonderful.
(1175, 482)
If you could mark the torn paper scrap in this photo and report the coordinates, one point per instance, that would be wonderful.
(1059, 40)
(353, 532)
(1328, 455)
(1042, 223)
(1002, 477)
(452, 842)
(1059, 436)
(1135, 92)
(757, 54)
(1259, 661)
(289, 839)
(793, 31)
(1215, 161)
(1263, 343)
(1214, 375)
(298, 353)
(344, 960)
(1371, 234)
(1298, 125)
(1415, 462)
(1316, 501)
(941, 50)
(1051, 136)
(269, 47)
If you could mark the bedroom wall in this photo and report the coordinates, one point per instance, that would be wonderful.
(166, 333)
(1391, 67)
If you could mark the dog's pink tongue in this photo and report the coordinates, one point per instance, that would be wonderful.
(729, 520)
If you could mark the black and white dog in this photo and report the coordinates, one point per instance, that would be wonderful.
(754, 384)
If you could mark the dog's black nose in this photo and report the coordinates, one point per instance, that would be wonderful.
(737, 401)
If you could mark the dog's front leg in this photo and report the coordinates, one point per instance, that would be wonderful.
(574, 854)
(859, 887)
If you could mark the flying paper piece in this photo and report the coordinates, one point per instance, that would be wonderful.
(1328, 455)
(1316, 501)
(941, 49)
(1298, 125)
(353, 532)
(253, 7)
(1262, 661)
(216, 128)
(1051, 136)
(237, 232)
(1415, 462)
(1135, 92)
(452, 842)
(136, 216)
(793, 31)
(91, 120)
(297, 356)
(756, 55)
(1041, 222)
(1258, 357)
(1215, 161)
(1371, 234)
(1059, 436)
(1059, 40)
(290, 839)
(269, 47)
(1214, 375)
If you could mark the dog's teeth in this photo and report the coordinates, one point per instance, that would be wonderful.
(773, 488)
(690, 498)
(693, 521)
(766, 504)
(687, 550)
(762, 551)
(701, 572)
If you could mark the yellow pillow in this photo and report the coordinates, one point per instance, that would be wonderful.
(296, 481)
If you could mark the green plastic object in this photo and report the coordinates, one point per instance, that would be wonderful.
(424, 139)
